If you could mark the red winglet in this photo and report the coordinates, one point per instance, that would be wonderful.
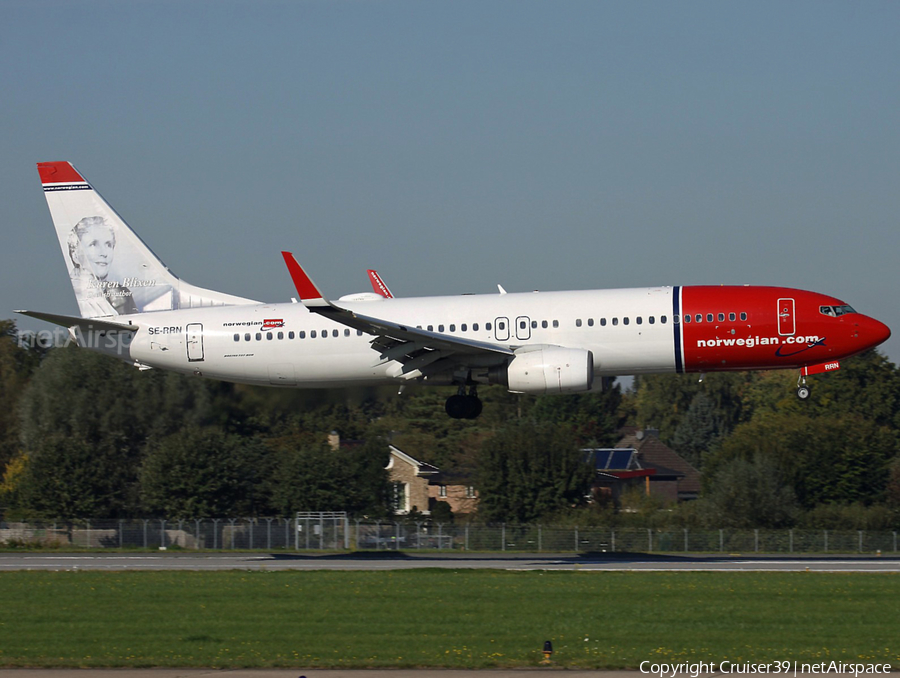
(58, 173)
(305, 287)
(378, 284)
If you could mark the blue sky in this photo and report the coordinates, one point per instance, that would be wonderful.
(457, 145)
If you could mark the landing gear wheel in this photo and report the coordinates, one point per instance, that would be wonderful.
(463, 406)
(803, 392)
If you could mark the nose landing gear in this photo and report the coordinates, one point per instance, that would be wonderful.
(462, 406)
(803, 391)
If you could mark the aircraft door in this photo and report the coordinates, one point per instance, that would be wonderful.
(193, 339)
(523, 327)
(501, 329)
(786, 321)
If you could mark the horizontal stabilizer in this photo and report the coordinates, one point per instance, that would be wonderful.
(83, 323)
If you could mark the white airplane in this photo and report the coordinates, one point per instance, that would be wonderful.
(134, 308)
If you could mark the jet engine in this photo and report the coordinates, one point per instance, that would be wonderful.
(551, 369)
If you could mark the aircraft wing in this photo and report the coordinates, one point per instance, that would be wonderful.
(419, 351)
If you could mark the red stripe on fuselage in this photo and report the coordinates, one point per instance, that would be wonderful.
(809, 337)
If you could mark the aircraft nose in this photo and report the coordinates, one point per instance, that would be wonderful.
(874, 332)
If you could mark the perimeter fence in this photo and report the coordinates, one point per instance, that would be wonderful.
(337, 532)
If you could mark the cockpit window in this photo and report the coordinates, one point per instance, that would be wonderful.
(835, 311)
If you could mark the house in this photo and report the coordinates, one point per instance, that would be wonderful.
(418, 485)
(409, 480)
(641, 458)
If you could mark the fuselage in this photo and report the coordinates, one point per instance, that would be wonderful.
(628, 331)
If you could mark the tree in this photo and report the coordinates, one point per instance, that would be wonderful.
(314, 477)
(749, 493)
(594, 417)
(17, 362)
(841, 459)
(204, 473)
(701, 427)
(65, 479)
(530, 470)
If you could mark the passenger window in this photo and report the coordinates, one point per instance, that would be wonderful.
(687, 318)
(615, 321)
(721, 317)
(709, 317)
(302, 334)
(237, 337)
(247, 337)
(290, 335)
(699, 317)
(281, 335)
(431, 328)
(652, 320)
(453, 327)
(474, 327)
(625, 320)
(590, 322)
(312, 334)
(556, 323)
(324, 334)
(534, 324)
(487, 326)
(335, 333)
(578, 322)
(731, 317)
(501, 326)
(662, 319)
(268, 336)
(544, 324)
(463, 327)
(259, 336)
(523, 325)
(440, 328)
(346, 333)
(602, 322)
(638, 320)
(743, 315)
(359, 333)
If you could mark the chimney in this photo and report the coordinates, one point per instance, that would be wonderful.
(334, 440)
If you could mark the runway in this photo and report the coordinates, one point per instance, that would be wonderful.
(404, 561)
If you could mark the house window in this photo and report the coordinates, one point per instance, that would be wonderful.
(442, 490)
(470, 492)
(399, 497)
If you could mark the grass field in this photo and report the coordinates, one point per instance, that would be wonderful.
(443, 618)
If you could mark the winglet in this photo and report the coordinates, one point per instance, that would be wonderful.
(378, 284)
(306, 288)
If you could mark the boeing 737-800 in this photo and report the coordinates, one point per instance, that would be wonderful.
(132, 307)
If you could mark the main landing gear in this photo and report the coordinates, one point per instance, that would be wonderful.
(462, 406)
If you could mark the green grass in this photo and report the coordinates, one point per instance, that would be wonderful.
(443, 618)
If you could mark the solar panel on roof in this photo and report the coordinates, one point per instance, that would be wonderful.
(601, 458)
(620, 460)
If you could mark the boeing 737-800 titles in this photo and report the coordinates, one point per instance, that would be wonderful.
(132, 307)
